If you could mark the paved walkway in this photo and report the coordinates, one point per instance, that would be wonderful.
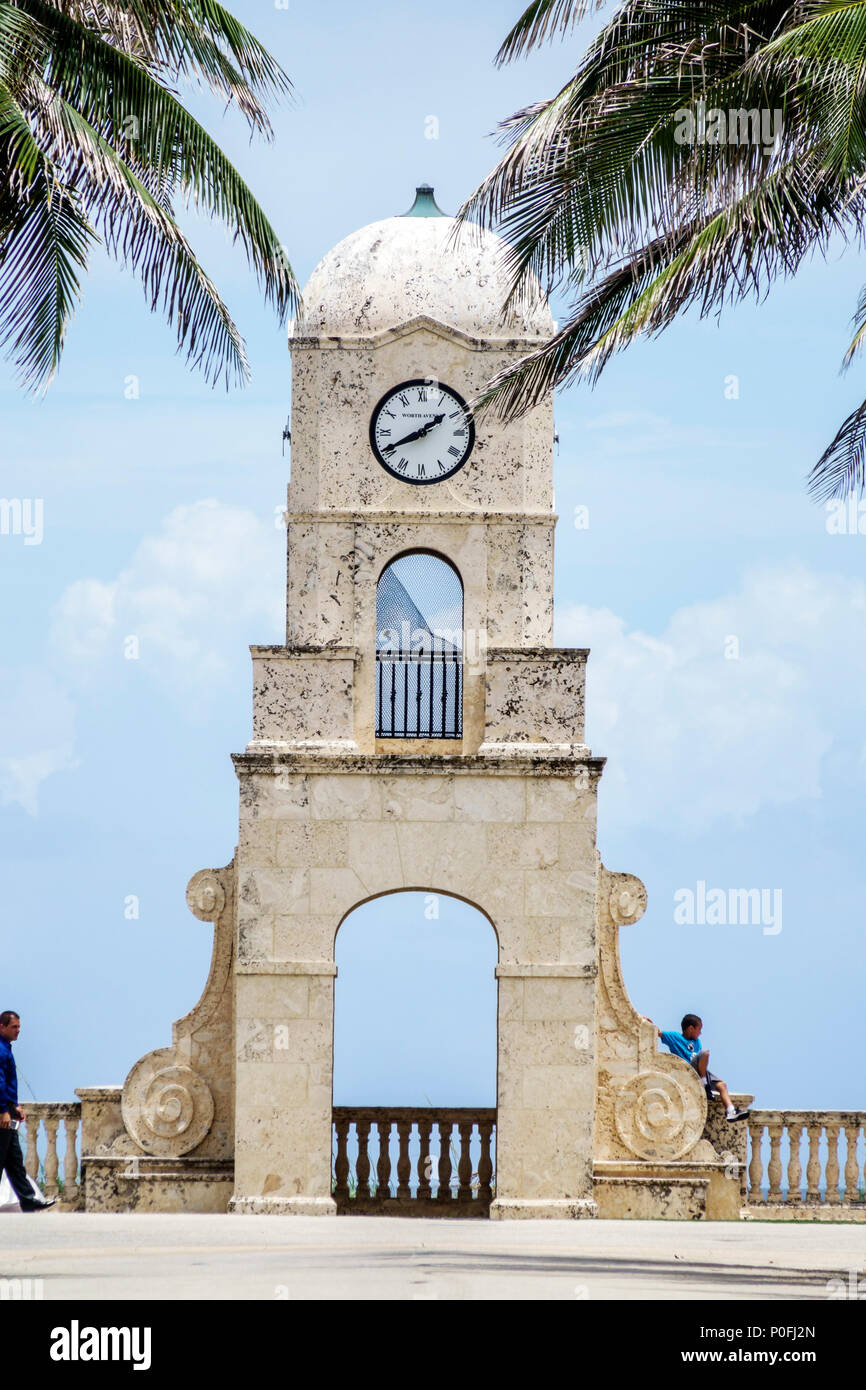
(266, 1257)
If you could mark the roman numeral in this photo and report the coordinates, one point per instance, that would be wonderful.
(455, 415)
(403, 398)
(458, 434)
(442, 466)
(421, 473)
(390, 414)
(384, 432)
(402, 465)
(422, 393)
(454, 451)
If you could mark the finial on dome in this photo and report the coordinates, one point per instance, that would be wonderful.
(425, 204)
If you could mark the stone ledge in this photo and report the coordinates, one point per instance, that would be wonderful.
(375, 516)
(325, 653)
(285, 967)
(554, 655)
(528, 760)
(802, 1211)
(545, 970)
(283, 1206)
(531, 1209)
(148, 1168)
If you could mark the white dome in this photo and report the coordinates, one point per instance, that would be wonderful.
(395, 270)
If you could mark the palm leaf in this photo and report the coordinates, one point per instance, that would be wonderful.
(41, 255)
(841, 469)
(146, 238)
(108, 86)
(541, 21)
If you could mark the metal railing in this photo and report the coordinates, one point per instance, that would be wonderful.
(419, 694)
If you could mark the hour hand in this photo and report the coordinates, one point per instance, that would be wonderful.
(416, 434)
(407, 439)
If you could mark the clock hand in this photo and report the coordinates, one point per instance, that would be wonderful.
(416, 434)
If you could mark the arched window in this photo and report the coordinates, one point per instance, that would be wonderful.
(419, 648)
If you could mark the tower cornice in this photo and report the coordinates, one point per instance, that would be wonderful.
(365, 341)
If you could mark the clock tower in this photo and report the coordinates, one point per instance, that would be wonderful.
(417, 731)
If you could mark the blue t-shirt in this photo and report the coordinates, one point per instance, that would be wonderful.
(682, 1047)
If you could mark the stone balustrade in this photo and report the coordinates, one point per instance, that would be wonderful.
(383, 1160)
(808, 1162)
(407, 1160)
(57, 1174)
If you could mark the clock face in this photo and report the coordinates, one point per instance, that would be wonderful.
(422, 431)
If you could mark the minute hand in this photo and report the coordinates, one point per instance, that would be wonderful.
(416, 434)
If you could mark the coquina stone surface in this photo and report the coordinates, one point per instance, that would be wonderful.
(590, 1116)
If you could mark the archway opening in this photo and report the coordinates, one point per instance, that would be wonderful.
(415, 1054)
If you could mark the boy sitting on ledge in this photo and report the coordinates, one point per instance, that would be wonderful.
(686, 1044)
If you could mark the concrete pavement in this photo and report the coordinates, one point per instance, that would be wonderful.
(90, 1256)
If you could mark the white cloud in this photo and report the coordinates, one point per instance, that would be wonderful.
(693, 737)
(193, 596)
(37, 735)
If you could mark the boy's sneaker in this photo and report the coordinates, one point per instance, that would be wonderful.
(737, 1115)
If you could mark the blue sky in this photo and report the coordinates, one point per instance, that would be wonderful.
(159, 520)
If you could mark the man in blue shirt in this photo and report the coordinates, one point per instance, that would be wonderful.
(686, 1044)
(11, 1158)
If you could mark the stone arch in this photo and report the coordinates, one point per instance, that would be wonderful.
(417, 888)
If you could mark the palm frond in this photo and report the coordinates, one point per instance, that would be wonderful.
(841, 469)
(145, 237)
(108, 87)
(719, 257)
(40, 258)
(543, 20)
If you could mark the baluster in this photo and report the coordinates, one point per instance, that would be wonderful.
(444, 689)
(774, 1167)
(756, 1164)
(485, 1162)
(794, 1165)
(405, 698)
(70, 1160)
(813, 1163)
(832, 1193)
(380, 727)
(393, 694)
(418, 699)
(464, 1163)
(52, 1123)
(31, 1158)
(430, 670)
(362, 1129)
(341, 1162)
(424, 1163)
(444, 1193)
(852, 1175)
(404, 1165)
(383, 1167)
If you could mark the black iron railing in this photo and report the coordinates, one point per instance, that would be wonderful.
(419, 694)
